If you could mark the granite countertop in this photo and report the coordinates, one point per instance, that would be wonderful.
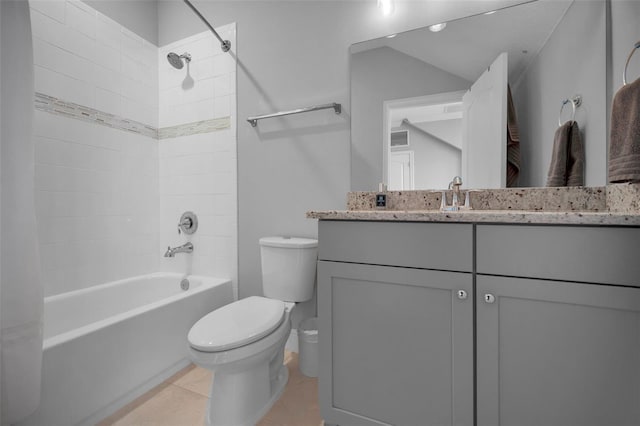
(613, 205)
(482, 216)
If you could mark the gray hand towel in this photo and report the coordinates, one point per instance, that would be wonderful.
(624, 146)
(567, 159)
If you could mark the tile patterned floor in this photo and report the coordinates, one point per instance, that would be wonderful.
(182, 399)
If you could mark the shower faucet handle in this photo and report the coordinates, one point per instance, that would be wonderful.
(185, 223)
(188, 223)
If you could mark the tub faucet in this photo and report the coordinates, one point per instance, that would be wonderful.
(185, 248)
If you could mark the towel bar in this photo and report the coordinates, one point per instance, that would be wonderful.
(336, 107)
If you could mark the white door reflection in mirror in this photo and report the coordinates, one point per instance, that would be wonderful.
(401, 171)
(484, 152)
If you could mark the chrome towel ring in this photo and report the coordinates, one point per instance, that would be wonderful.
(624, 73)
(576, 101)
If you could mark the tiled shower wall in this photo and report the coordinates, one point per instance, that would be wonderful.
(97, 123)
(198, 170)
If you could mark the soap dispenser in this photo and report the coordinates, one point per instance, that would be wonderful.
(381, 196)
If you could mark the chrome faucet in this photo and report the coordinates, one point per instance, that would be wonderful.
(455, 185)
(185, 248)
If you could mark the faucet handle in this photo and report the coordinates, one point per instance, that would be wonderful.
(188, 223)
(457, 181)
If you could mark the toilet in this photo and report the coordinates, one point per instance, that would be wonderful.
(243, 342)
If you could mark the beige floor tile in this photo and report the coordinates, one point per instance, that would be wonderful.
(171, 406)
(182, 401)
(196, 380)
(298, 405)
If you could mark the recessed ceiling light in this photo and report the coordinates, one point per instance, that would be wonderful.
(386, 7)
(438, 27)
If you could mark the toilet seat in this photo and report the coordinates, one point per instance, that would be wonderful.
(237, 324)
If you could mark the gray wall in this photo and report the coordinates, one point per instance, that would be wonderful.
(371, 72)
(293, 54)
(566, 66)
(139, 16)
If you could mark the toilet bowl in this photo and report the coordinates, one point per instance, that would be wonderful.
(243, 342)
(249, 371)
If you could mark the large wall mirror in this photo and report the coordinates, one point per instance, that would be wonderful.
(429, 105)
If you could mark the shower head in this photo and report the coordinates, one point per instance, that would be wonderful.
(176, 60)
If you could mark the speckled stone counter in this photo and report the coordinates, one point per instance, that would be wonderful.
(613, 205)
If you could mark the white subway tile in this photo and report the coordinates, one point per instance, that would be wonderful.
(108, 101)
(132, 89)
(204, 47)
(106, 78)
(202, 110)
(81, 17)
(131, 69)
(217, 225)
(108, 31)
(131, 43)
(59, 60)
(204, 68)
(134, 110)
(107, 56)
(222, 106)
(63, 153)
(222, 85)
(202, 90)
(223, 64)
(63, 87)
(149, 56)
(52, 8)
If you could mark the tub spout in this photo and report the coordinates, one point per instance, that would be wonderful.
(185, 248)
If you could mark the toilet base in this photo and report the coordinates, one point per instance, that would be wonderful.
(250, 399)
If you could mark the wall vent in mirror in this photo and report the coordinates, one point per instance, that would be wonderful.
(399, 138)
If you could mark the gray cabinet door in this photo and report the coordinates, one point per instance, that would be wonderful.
(396, 345)
(557, 353)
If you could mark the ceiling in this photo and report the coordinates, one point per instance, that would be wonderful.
(467, 46)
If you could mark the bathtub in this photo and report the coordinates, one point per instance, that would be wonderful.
(106, 345)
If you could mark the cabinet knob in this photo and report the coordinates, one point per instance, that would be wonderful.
(462, 294)
(489, 298)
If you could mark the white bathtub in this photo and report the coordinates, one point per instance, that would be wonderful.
(106, 345)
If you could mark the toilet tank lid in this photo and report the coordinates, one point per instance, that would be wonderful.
(288, 242)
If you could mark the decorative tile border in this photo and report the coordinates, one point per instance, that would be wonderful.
(196, 127)
(56, 106)
(69, 109)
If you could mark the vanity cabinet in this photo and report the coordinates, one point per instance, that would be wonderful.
(487, 325)
(561, 348)
(557, 353)
(396, 342)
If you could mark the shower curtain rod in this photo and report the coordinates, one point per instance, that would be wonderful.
(225, 44)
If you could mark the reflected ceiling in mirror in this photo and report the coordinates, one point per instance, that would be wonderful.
(551, 45)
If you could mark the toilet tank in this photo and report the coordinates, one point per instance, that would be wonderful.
(288, 267)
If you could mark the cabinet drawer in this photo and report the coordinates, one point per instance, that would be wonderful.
(588, 254)
(444, 246)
